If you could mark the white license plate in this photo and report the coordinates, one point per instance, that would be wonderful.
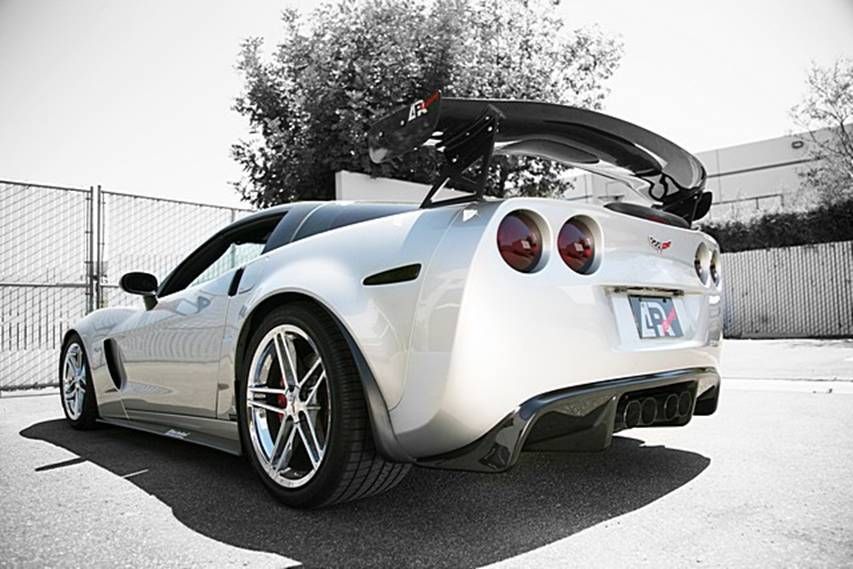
(655, 317)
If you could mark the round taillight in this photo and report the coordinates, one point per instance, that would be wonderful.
(715, 267)
(702, 263)
(520, 242)
(576, 245)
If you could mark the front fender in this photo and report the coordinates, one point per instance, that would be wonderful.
(93, 329)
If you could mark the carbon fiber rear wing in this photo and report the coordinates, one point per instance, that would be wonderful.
(468, 132)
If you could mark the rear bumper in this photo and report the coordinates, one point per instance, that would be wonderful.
(580, 418)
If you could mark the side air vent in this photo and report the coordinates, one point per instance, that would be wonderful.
(112, 354)
(396, 275)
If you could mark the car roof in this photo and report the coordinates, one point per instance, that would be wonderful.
(304, 219)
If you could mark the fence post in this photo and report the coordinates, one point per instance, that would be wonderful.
(233, 254)
(90, 251)
(99, 250)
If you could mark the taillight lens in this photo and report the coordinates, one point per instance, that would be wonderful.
(520, 242)
(715, 267)
(702, 263)
(577, 246)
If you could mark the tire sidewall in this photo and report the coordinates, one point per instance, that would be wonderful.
(329, 473)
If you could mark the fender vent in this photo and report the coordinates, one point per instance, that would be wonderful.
(112, 354)
(396, 275)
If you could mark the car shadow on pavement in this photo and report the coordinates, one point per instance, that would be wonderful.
(433, 519)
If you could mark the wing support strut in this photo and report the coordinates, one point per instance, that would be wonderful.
(473, 145)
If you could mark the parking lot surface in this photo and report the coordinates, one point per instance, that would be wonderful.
(765, 482)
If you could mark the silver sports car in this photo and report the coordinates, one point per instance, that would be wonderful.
(337, 344)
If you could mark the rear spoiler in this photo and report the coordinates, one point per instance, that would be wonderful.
(471, 131)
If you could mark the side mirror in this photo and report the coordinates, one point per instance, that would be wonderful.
(143, 284)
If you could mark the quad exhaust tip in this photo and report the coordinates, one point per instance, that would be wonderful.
(631, 415)
(670, 407)
(645, 411)
(685, 403)
(650, 411)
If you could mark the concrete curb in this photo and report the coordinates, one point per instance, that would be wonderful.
(793, 385)
(29, 392)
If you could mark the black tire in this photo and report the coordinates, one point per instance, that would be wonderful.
(88, 416)
(351, 468)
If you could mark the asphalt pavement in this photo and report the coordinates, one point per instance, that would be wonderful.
(765, 482)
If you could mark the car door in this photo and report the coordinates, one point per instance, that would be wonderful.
(171, 355)
(171, 352)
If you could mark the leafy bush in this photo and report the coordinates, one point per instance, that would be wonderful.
(348, 62)
(822, 225)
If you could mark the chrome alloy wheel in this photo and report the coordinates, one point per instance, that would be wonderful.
(288, 406)
(74, 381)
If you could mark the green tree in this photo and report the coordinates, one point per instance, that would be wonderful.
(348, 62)
(826, 114)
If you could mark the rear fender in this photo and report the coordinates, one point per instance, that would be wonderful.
(330, 270)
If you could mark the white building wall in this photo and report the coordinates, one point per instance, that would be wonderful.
(352, 186)
(746, 180)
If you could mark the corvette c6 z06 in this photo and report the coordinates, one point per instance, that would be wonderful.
(336, 344)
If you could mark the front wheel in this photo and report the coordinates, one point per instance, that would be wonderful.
(303, 418)
(75, 385)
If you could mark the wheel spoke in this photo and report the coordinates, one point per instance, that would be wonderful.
(265, 406)
(310, 372)
(309, 439)
(279, 439)
(285, 359)
(267, 390)
(78, 362)
(292, 362)
(287, 449)
(312, 395)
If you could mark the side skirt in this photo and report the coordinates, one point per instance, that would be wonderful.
(213, 433)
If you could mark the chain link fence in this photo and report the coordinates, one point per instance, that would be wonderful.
(45, 235)
(62, 251)
(789, 292)
(150, 234)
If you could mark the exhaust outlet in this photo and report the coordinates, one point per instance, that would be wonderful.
(685, 403)
(631, 414)
(649, 411)
(670, 407)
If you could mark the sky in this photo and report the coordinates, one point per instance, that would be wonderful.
(136, 95)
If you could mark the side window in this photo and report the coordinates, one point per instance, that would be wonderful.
(234, 256)
(230, 249)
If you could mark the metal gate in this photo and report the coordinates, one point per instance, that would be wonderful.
(62, 251)
(45, 263)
